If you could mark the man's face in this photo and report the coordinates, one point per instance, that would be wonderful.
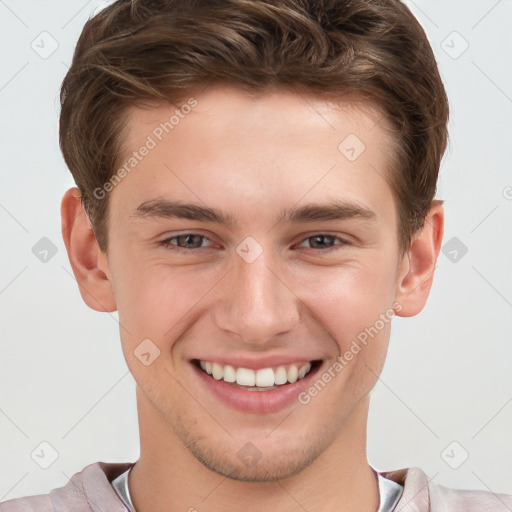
(283, 283)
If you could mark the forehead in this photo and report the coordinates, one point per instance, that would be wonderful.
(220, 110)
(278, 147)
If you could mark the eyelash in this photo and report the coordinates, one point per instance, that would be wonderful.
(171, 246)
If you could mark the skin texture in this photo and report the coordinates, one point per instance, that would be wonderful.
(252, 158)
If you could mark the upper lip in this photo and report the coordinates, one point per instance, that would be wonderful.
(256, 363)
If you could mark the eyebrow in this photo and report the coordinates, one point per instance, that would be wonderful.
(334, 210)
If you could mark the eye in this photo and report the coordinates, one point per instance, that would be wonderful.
(186, 241)
(323, 241)
(190, 241)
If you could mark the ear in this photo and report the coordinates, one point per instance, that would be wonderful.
(416, 271)
(89, 264)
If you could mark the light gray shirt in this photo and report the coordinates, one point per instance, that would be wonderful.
(91, 490)
(389, 491)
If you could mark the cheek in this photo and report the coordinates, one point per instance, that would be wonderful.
(154, 299)
(348, 301)
(156, 304)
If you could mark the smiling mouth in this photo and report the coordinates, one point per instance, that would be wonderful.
(263, 379)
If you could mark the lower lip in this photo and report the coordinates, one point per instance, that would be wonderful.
(257, 402)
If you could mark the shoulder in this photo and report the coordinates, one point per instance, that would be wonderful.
(444, 498)
(86, 491)
(41, 503)
(421, 494)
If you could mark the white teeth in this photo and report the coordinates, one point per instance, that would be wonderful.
(280, 376)
(229, 374)
(217, 371)
(292, 374)
(262, 378)
(304, 369)
(265, 378)
(245, 377)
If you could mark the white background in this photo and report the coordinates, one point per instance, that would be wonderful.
(63, 378)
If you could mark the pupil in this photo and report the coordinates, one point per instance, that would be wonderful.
(189, 239)
(323, 239)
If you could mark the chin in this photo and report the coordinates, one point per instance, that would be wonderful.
(243, 461)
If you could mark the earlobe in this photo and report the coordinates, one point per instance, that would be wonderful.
(89, 264)
(417, 267)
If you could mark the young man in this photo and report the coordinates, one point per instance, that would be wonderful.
(255, 196)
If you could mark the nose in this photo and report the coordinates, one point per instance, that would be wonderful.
(255, 302)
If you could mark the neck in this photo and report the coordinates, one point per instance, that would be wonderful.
(168, 477)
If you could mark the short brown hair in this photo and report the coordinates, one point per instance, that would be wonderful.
(139, 50)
